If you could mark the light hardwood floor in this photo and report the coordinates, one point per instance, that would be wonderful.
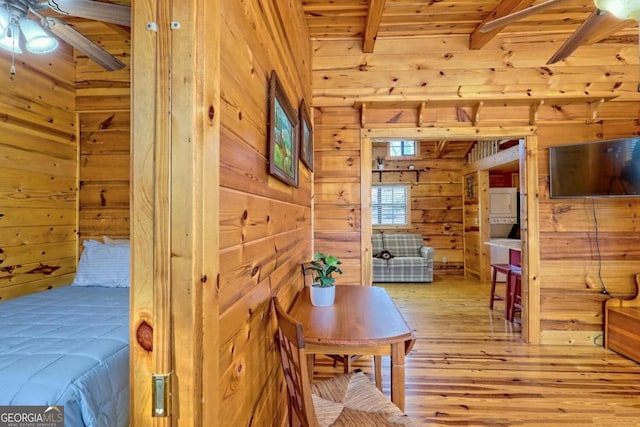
(469, 367)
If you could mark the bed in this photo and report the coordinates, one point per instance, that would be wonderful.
(69, 347)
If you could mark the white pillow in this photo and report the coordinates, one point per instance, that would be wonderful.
(103, 265)
(110, 241)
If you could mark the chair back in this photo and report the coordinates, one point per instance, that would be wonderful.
(308, 274)
(515, 258)
(290, 341)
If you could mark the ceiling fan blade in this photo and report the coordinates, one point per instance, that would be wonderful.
(69, 35)
(591, 24)
(515, 16)
(96, 10)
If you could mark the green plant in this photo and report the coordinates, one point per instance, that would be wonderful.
(325, 265)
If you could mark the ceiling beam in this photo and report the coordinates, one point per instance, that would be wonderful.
(374, 16)
(441, 146)
(479, 39)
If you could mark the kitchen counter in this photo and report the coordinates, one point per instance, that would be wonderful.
(505, 243)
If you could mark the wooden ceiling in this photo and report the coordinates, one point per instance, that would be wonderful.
(371, 20)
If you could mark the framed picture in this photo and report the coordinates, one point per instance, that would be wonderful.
(306, 136)
(283, 134)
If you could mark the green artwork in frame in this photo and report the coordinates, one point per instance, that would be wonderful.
(283, 134)
(306, 137)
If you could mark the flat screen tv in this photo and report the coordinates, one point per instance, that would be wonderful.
(596, 169)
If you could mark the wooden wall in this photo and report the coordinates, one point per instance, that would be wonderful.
(265, 225)
(57, 163)
(103, 105)
(561, 101)
(337, 195)
(38, 188)
(575, 255)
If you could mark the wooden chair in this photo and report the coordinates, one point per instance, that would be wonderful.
(348, 399)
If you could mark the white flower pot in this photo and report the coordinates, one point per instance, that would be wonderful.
(323, 297)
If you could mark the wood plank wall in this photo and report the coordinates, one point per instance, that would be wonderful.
(265, 225)
(436, 69)
(337, 189)
(578, 260)
(38, 188)
(103, 106)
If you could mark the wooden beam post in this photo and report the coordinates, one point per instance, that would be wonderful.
(421, 109)
(533, 112)
(476, 113)
(592, 110)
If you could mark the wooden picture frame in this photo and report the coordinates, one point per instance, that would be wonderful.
(283, 134)
(306, 137)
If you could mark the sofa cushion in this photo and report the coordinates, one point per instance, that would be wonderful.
(379, 262)
(403, 245)
(376, 244)
(406, 269)
(408, 261)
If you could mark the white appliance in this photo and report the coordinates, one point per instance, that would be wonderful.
(503, 211)
(503, 205)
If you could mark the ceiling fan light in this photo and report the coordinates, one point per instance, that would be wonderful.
(624, 9)
(11, 39)
(37, 40)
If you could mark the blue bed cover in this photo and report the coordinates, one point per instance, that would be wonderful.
(68, 346)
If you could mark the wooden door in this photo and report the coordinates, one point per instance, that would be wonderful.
(174, 203)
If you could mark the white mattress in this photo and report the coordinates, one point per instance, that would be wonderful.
(68, 346)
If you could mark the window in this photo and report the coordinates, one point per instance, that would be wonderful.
(402, 148)
(389, 205)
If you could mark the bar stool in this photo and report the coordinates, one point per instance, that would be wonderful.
(514, 285)
(498, 268)
(515, 293)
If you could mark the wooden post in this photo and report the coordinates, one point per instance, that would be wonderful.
(176, 130)
(530, 226)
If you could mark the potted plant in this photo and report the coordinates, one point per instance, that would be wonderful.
(323, 290)
(380, 161)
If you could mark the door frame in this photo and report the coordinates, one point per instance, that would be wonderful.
(175, 195)
(529, 196)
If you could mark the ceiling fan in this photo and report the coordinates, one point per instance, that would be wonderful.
(608, 13)
(16, 19)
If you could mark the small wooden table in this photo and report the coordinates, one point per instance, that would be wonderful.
(363, 320)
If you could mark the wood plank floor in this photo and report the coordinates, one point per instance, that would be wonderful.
(469, 367)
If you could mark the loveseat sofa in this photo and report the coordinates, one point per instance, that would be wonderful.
(401, 258)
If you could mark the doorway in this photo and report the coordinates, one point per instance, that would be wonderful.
(527, 158)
